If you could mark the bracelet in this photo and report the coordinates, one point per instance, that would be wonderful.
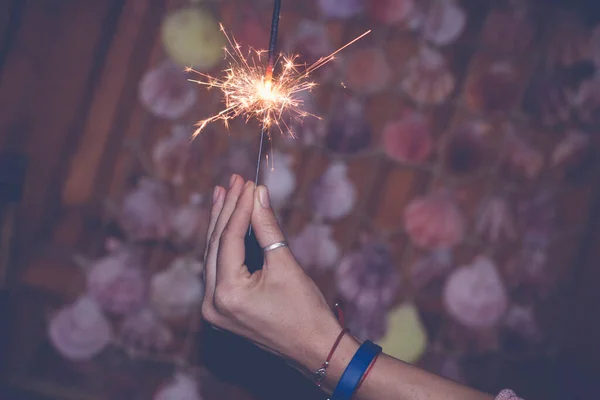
(320, 374)
(353, 375)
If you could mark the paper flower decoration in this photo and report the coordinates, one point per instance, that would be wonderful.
(334, 195)
(367, 71)
(495, 220)
(409, 139)
(279, 178)
(181, 387)
(178, 290)
(406, 338)
(444, 23)
(191, 38)
(391, 11)
(145, 212)
(117, 282)
(314, 248)
(368, 278)
(174, 155)
(189, 223)
(80, 331)
(434, 222)
(143, 330)
(428, 80)
(165, 91)
(475, 295)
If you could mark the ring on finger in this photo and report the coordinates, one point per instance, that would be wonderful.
(274, 246)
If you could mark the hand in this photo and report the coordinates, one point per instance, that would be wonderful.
(279, 307)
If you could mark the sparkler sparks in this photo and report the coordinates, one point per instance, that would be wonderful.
(251, 90)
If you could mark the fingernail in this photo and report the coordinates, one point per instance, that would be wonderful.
(248, 184)
(263, 197)
(216, 194)
(232, 180)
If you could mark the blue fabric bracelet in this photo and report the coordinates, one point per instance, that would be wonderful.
(355, 370)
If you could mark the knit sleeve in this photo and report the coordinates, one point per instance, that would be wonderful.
(507, 395)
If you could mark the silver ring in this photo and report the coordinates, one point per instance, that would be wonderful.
(274, 246)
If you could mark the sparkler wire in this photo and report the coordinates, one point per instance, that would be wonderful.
(269, 74)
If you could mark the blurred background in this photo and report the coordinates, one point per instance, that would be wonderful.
(447, 194)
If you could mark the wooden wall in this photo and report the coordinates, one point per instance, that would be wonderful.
(69, 71)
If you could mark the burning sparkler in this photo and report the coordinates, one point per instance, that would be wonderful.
(252, 91)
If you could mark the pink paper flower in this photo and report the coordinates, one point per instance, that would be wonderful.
(368, 278)
(428, 80)
(408, 140)
(116, 281)
(334, 195)
(165, 91)
(367, 71)
(181, 387)
(143, 330)
(80, 331)
(434, 222)
(348, 131)
(177, 291)
(475, 295)
(145, 211)
(174, 155)
(391, 11)
(495, 90)
(495, 220)
(314, 248)
(189, 223)
(341, 9)
(444, 22)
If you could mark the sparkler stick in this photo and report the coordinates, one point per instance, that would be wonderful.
(254, 255)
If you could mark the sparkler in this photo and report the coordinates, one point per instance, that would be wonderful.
(252, 91)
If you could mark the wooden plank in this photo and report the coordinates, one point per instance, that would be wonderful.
(113, 83)
(57, 104)
(20, 74)
(10, 19)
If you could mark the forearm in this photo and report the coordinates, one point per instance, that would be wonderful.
(389, 378)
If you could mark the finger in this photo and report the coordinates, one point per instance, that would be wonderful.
(230, 265)
(229, 201)
(267, 228)
(210, 270)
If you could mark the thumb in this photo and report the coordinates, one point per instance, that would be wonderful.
(267, 228)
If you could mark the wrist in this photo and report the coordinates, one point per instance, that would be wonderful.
(316, 350)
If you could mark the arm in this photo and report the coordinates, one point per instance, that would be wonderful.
(281, 309)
